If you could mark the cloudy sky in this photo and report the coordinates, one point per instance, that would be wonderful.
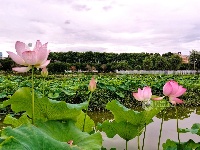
(132, 26)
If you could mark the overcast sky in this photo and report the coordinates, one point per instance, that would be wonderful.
(156, 26)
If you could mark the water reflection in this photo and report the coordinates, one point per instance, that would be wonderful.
(188, 116)
(170, 113)
(100, 116)
(197, 110)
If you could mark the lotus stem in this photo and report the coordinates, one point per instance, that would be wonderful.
(138, 141)
(33, 101)
(126, 145)
(161, 125)
(177, 125)
(43, 87)
(145, 128)
(86, 112)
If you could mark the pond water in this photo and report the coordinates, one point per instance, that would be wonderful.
(187, 117)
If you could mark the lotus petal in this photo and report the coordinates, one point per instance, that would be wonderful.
(44, 64)
(147, 93)
(20, 48)
(157, 98)
(21, 69)
(30, 57)
(167, 88)
(16, 58)
(180, 92)
(140, 92)
(137, 96)
(42, 55)
(175, 87)
(37, 45)
(175, 100)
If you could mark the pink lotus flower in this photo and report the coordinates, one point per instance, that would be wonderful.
(173, 90)
(36, 57)
(92, 85)
(143, 95)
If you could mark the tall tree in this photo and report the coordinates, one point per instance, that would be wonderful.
(6, 64)
(194, 59)
(169, 54)
(147, 63)
(161, 63)
(175, 62)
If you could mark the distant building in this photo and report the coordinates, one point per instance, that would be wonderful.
(29, 44)
(1, 55)
(185, 58)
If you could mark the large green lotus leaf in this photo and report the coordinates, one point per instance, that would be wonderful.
(69, 93)
(189, 145)
(29, 137)
(111, 88)
(17, 122)
(125, 130)
(68, 131)
(57, 110)
(195, 129)
(20, 101)
(45, 109)
(53, 95)
(89, 123)
(121, 113)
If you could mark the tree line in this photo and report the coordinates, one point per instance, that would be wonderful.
(109, 62)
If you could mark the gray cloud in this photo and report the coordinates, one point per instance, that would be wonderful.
(80, 7)
(103, 25)
(67, 22)
(107, 7)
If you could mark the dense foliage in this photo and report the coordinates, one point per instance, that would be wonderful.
(109, 62)
(74, 88)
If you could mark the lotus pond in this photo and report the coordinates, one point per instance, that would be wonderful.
(56, 111)
(187, 117)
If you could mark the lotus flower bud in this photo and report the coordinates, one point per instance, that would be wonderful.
(44, 72)
(92, 85)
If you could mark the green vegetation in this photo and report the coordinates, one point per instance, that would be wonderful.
(56, 122)
(109, 62)
(74, 88)
(61, 103)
